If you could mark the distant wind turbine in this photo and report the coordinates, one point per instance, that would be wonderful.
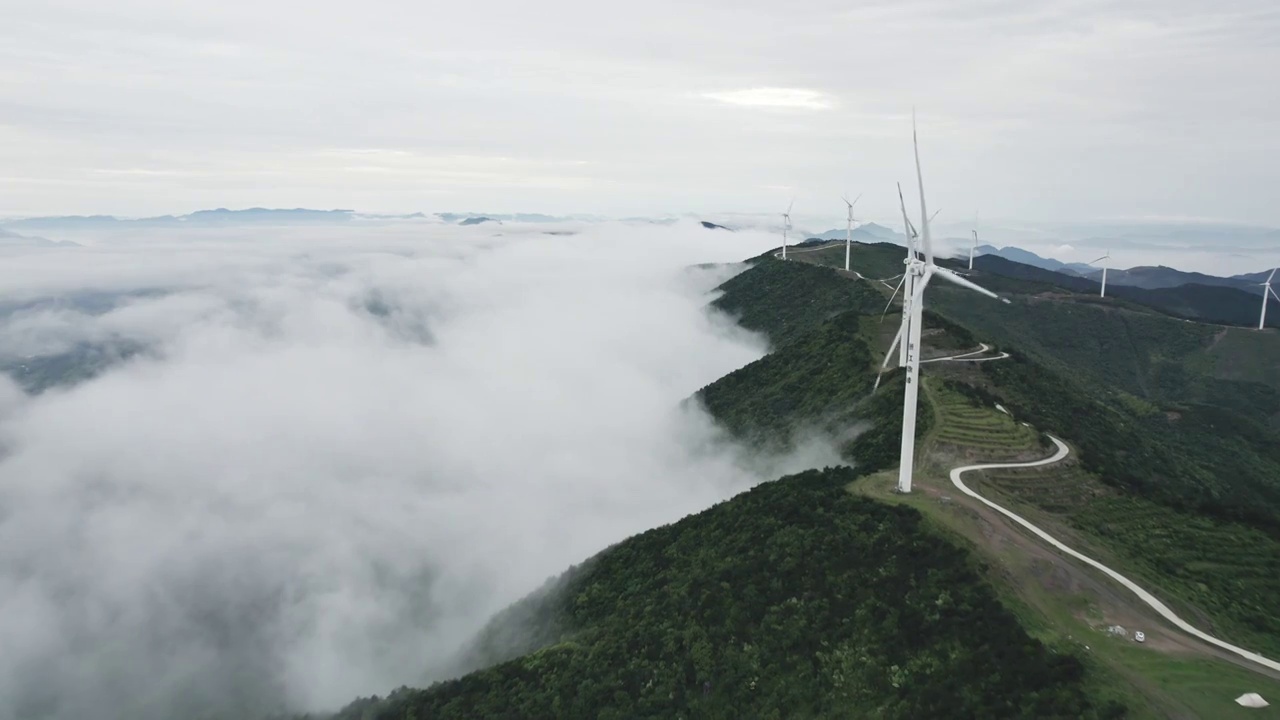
(919, 272)
(848, 229)
(974, 247)
(1104, 272)
(1267, 293)
(786, 226)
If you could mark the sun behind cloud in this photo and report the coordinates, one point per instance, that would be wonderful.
(775, 97)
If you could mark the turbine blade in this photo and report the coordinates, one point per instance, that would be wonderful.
(1273, 293)
(925, 236)
(1273, 274)
(964, 282)
(891, 297)
(855, 201)
(793, 204)
(1104, 257)
(894, 346)
(906, 223)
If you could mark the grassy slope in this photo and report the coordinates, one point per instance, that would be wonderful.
(795, 599)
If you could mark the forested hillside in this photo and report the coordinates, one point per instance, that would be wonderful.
(794, 600)
(785, 299)
(1204, 303)
(1141, 396)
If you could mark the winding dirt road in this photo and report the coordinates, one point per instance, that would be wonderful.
(1146, 597)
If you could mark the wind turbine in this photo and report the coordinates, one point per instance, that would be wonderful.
(919, 272)
(1104, 273)
(1266, 293)
(848, 229)
(974, 247)
(786, 225)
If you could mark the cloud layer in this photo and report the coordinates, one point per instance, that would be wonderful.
(340, 451)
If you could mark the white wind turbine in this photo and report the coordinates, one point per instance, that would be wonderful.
(786, 226)
(974, 247)
(919, 272)
(1104, 272)
(1267, 293)
(848, 229)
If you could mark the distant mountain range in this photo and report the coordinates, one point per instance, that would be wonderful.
(9, 238)
(1026, 257)
(1146, 277)
(220, 216)
(1217, 304)
(1161, 276)
(869, 232)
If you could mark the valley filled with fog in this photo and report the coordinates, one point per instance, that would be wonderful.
(274, 468)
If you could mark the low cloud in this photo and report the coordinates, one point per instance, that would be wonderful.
(341, 450)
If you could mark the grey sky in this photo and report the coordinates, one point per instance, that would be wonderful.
(1082, 108)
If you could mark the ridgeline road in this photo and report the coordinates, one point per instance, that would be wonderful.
(1146, 597)
(969, 356)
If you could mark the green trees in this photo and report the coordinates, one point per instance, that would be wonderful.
(795, 599)
(784, 300)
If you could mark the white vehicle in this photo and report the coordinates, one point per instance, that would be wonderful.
(1140, 636)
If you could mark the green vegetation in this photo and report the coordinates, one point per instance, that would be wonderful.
(872, 260)
(784, 300)
(821, 383)
(796, 599)
(1203, 303)
(975, 425)
(1245, 355)
(1152, 682)
(1202, 459)
(1142, 398)
(1228, 570)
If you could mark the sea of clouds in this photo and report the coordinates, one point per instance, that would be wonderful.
(340, 449)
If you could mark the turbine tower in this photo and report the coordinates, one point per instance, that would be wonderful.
(848, 229)
(1267, 293)
(1104, 272)
(786, 226)
(919, 272)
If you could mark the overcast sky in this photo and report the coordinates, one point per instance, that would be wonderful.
(1085, 109)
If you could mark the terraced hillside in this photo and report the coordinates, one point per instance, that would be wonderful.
(979, 431)
(1063, 490)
